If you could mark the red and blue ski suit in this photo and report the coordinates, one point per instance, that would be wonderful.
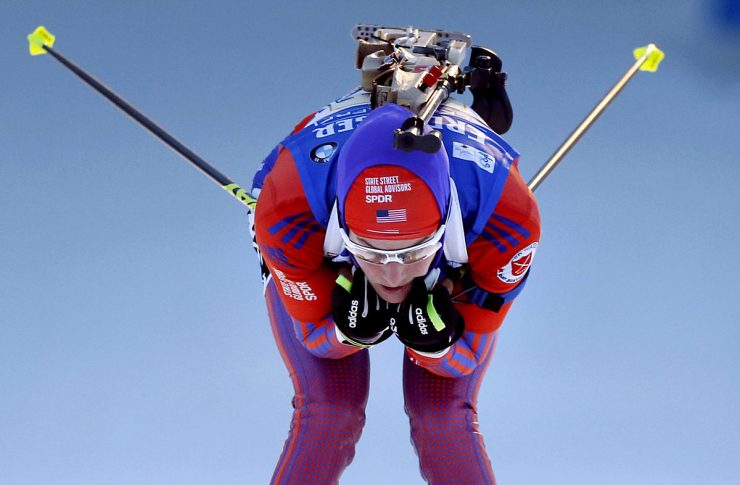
(331, 379)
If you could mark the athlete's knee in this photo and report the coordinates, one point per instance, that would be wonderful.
(339, 422)
(321, 442)
(449, 444)
(441, 422)
(443, 402)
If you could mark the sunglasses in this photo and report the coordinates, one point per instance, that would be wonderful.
(409, 255)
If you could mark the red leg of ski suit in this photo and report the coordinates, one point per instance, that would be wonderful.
(330, 398)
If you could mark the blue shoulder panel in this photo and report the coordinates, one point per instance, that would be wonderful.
(315, 150)
(480, 161)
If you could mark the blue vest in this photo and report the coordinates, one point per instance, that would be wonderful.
(480, 159)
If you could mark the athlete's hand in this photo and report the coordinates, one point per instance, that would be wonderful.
(361, 316)
(428, 320)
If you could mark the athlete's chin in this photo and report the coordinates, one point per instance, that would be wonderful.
(392, 294)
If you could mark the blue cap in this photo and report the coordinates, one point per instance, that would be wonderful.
(387, 193)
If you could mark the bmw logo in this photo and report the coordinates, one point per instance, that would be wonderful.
(323, 153)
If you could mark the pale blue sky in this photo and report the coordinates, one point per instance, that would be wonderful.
(134, 344)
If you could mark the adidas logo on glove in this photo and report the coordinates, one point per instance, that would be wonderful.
(352, 317)
(421, 322)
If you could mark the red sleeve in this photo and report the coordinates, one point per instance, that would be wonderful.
(499, 261)
(501, 255)
(460, 359)
(291, 242)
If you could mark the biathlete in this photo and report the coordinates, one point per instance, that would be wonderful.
(361, 242)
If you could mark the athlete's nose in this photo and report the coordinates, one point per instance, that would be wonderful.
(394, 274)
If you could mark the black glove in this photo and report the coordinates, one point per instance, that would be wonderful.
(428, 321)
(359, 313)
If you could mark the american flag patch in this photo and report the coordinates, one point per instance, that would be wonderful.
(390, 215)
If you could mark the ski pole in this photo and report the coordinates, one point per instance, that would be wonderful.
(647, 59)
(41, 42)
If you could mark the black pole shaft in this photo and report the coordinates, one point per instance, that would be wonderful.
(165, 137)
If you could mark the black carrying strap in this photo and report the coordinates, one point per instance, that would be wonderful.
(485, 299)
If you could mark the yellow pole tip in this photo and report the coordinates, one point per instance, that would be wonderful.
(652, 55)
(38, 39)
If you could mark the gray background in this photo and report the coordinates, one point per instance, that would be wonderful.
(134, 343)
